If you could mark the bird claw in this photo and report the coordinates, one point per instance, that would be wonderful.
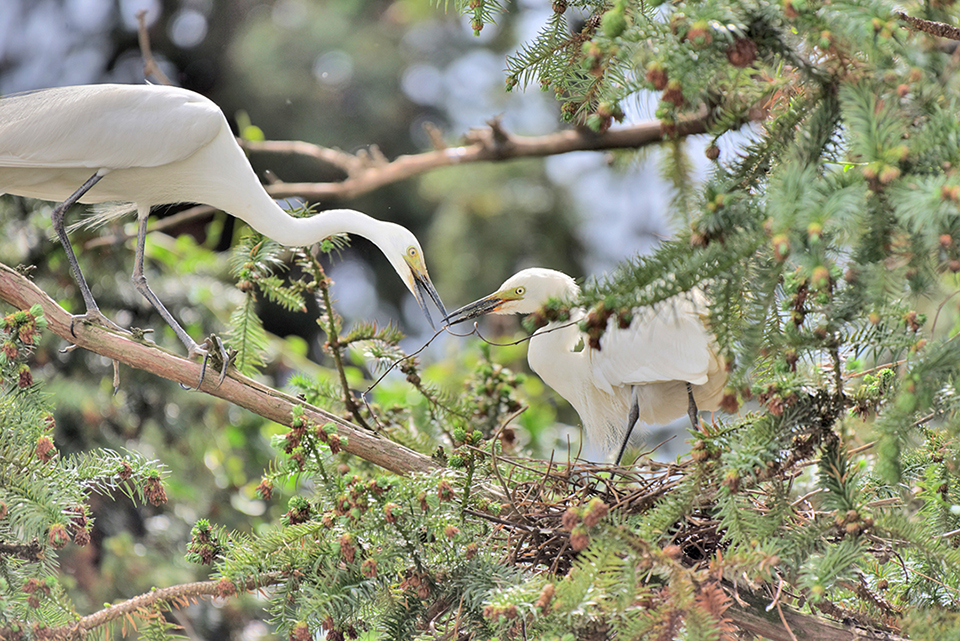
(96, 317)
(220, 356)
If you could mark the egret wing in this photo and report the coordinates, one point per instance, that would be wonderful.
(105, 126)
(664, 343)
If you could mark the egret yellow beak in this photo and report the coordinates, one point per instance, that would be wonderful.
(422, 288)
(475, 309)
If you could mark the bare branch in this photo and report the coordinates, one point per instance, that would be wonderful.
(240, 390)
(483, 145)
(160, 596)
(150, 66)
(755, 618)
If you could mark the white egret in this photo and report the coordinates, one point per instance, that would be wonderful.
(662, 366)
(152, 145)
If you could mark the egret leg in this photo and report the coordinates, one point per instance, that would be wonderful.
(632, 418)
(140, 282)
(93, 310)
(692, 410)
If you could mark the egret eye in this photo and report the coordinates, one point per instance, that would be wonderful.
(412, 252)
(520, 291)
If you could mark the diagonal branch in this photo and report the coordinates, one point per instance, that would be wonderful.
(240, 390)
(162, 596)
(929, 26)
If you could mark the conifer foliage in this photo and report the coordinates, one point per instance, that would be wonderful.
(827, 494)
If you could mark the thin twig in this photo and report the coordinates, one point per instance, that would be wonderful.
(150, 66)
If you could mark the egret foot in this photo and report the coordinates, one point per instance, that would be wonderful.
(94, 316)
(211, 348)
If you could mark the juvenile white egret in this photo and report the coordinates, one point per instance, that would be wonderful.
(662, 366)
(152, 145)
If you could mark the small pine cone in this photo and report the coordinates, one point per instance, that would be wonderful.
(570, 519)
(579, 539)
(445, 491)
(546, 596)
(57, 537)
(369, 568)
(347, 549)
(45, 450)
(729, 402)
(388, 512)
(742, 53)
(265, 489)
(596, 510)
(226, 588)
(674, 94)
(301, 632)
(657, 76)
(81, 537)
(153, 489)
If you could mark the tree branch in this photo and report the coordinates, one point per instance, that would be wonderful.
(369, 170)
(754, 617)
(240, 390)
(929, 26)
(482, 145)
(167, 595)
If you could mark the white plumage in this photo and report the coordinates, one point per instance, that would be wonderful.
(647, 364)
(152, 145)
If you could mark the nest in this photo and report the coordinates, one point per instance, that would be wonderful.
(537, 534)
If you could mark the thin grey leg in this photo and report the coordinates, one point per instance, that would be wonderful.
(692, 410)
(140, 282)
(632, 418)
(93, 310)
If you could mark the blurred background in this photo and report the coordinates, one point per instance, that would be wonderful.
(350, 74)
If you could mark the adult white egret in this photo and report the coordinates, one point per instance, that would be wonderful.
(152, 145)
(662, 366)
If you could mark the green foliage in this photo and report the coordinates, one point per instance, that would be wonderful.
(44, 495)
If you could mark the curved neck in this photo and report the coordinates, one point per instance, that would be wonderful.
(273, 222)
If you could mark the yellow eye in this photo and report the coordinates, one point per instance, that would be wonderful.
(412, 251)
(520, 291)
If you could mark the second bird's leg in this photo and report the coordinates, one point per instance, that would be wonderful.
(93, 310)
(632, 418)
(140, 282)
(692, 410)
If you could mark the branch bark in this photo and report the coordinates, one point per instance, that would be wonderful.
(240, 390)
(162, 596)
(754, 618)
(929, 26)
(483, 145)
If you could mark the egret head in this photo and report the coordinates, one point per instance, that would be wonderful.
(403, 251)
(523, 293)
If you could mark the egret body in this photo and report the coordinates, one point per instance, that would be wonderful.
(152, 145)
(641, 373)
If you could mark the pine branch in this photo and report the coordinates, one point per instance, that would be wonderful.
(931, 27)
(240, 390)
(168, 595)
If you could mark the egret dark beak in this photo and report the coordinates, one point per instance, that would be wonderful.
(473, 310)
(423, 289)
